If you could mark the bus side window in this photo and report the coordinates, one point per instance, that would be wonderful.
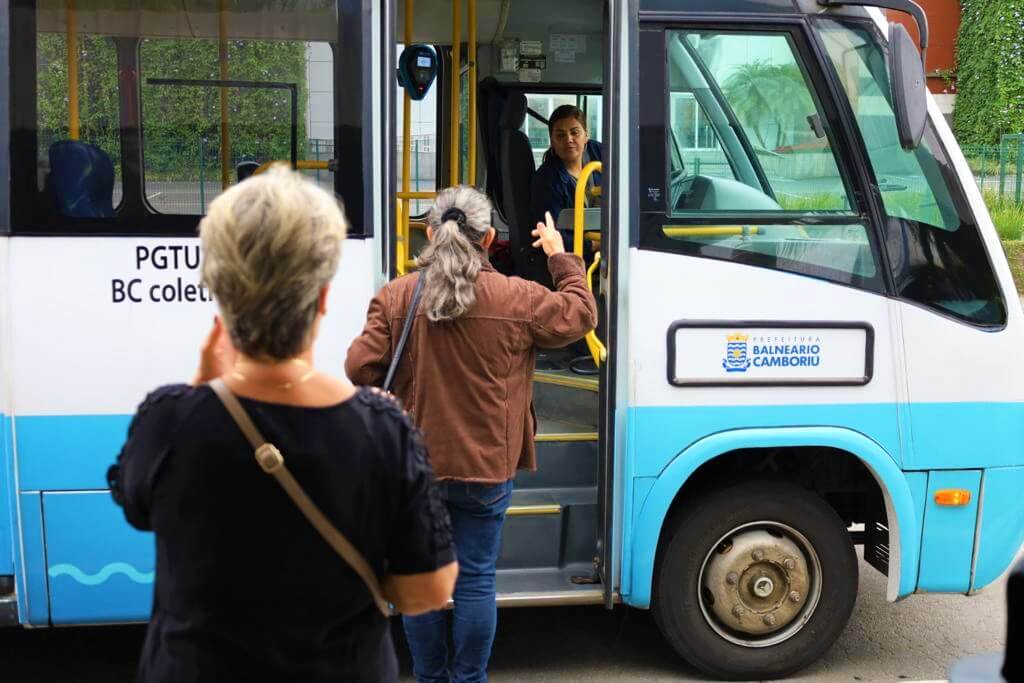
(752, 174)
(79, 155)
(189, 159)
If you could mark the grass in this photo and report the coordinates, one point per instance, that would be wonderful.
(1008, 217)
(1015, 255)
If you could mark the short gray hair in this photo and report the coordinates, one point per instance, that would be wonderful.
(270, 244)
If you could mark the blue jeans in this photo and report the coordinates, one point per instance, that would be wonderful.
(477, 512)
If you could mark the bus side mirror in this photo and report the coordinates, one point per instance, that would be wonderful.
(909, 91)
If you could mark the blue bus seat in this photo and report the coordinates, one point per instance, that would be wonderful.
(245, 169)
(83, 179)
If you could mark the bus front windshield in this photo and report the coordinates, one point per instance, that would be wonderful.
(935, 250)
(910, 182)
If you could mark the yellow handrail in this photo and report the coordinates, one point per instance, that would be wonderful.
(577, 216)
(402, 215)
(471, 110)
(597, 349)
(708, 230)
(225, 133)
(453, 111)
(415, 195)
(72, 41)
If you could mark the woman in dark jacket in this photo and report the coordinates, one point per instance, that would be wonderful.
(246, 589)
(554, 184)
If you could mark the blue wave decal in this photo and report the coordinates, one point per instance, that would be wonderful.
(103, 575)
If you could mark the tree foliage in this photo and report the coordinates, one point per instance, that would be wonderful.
(990, 71)
(181, 124)
(770, 100)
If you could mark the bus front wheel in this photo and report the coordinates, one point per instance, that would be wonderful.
(754, 581)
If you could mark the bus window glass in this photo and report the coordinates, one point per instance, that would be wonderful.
(693, 140)
(98, 139)
(742, 110)
(936, 253)
(188, 161)
(422, 142)
(902, 178)
(733, 147)
(592, 105)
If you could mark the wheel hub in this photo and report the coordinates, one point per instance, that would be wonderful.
(756, 583)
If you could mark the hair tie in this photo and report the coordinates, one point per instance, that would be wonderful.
(455, 214)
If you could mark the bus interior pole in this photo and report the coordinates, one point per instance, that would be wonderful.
(456, 76)
(225, 135)
(72, 44)
(403, 250)
(471, 113)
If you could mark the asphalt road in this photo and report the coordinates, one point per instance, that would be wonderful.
(916, 639)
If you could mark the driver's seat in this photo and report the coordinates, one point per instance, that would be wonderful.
(517, 169)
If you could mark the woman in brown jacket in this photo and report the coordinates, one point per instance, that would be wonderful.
(467, 378)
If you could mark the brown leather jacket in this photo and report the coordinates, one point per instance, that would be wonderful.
(469, 382)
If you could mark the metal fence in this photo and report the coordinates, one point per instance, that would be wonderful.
(999, 168)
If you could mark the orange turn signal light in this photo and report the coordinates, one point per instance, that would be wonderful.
(952, 497)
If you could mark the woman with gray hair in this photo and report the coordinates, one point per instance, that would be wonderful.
(467, 378)
(246, 588)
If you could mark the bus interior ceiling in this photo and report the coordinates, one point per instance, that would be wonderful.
(503, 22)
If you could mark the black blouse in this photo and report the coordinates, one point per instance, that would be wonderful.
(246, 589)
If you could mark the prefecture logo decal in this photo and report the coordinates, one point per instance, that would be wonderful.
(736, 359)
(771, 351)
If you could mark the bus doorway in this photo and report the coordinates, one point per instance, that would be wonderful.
(504, 68)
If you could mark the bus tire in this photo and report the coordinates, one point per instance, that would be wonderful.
(754, 581)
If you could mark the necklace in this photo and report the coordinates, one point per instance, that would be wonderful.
(285, 386)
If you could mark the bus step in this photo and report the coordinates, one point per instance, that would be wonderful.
(542, 587)
(9, 611)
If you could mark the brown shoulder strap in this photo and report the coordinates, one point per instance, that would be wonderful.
(272, 462)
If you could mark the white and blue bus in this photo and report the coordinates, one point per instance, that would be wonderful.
(809, 337)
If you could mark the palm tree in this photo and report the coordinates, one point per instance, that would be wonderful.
(764, 95)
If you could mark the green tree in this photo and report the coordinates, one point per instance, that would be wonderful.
(769, 98)
(990, 71)
(176, 118)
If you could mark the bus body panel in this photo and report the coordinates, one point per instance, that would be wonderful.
(33, 598)
(69, 417)
(947, 541)
(914, 413)
(1000, 532)
(7, 516)
(899, 500)
(90, 582)
(69, 428)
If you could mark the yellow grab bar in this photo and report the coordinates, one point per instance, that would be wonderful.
(597, 349)
(415, 195)
(72, 45)
(708, 230)
(453, 154)
(225, 125)
(471, 109)
(577, 216)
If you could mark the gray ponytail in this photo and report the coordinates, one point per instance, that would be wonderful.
(451, 262)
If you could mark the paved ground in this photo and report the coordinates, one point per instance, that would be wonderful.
(917, 639)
